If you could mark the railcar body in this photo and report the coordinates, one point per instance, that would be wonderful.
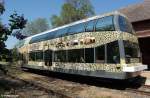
(100, 46)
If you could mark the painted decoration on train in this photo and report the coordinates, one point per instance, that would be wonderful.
(84, 40)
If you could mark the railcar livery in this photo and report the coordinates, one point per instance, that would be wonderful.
(100, 46)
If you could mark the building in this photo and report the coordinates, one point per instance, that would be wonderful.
(139, 15)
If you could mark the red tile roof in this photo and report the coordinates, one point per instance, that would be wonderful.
(137, 12)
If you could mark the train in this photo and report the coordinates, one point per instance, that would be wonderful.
(104, 46)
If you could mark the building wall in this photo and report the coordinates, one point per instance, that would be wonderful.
(141, 26)
(142, 29)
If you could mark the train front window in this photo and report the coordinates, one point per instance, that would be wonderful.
(125, 25)
(132, 54)
(105, 24)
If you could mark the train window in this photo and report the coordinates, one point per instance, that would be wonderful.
(39, 56)
(105, 24)
(32, 40)
(113, 54)
(41, 38)
(60, 56)
(89, 55)
(76, 56)
(20, 56)
(61, 32)
(32, 56)
(90, 26)
(132, 53)
(124, 25)
(100, 54)
(50, 35)
(48, 55)
(78, 28)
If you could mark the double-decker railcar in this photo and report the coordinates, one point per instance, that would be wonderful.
(100, 46)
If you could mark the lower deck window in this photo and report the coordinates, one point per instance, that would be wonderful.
(132, 53)
(60, 56)
(89, 55)
(113, 54)
(39, 56)
(100, 54)
(32, 56)
(76, 56)
(48, 55)
(108, 53)
(36, 56)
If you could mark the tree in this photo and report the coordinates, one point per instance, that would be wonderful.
(37, 26)
(73, 10)
(83, 8)
(17, 23)
(15, 54)
(2, 8)
(56, 21)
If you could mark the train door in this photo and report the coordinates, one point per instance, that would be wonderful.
(48, 57)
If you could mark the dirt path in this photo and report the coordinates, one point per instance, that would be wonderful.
(30, 85)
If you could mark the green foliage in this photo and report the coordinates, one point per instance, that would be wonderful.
(83, 8)
(15, 54)
(5, 55)
(17, 22)
(56, 21)
(4, 32)
(73, 10)
(37, 26)
(69, 13)
(2, 8)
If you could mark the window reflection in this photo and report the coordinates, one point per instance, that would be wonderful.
(132, 54)
(90, 26)
(89, 55)
(77, 28)
(48, 57)
(76, 56)
(100, 54)
(60, 56)
(36, 56)
(113, 55)
(105, 24)
(124, 25)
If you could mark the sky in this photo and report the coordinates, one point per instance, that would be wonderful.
(33, 9)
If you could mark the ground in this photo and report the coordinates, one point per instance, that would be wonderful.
(22, 84)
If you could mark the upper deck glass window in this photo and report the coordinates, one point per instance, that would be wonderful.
(33, 40)
(50, 35)
(61, 32)
(105, 24)
(78, 28)
(90, 26)
(124, 25)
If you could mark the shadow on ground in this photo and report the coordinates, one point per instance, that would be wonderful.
(93, 81)
(9, 84)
